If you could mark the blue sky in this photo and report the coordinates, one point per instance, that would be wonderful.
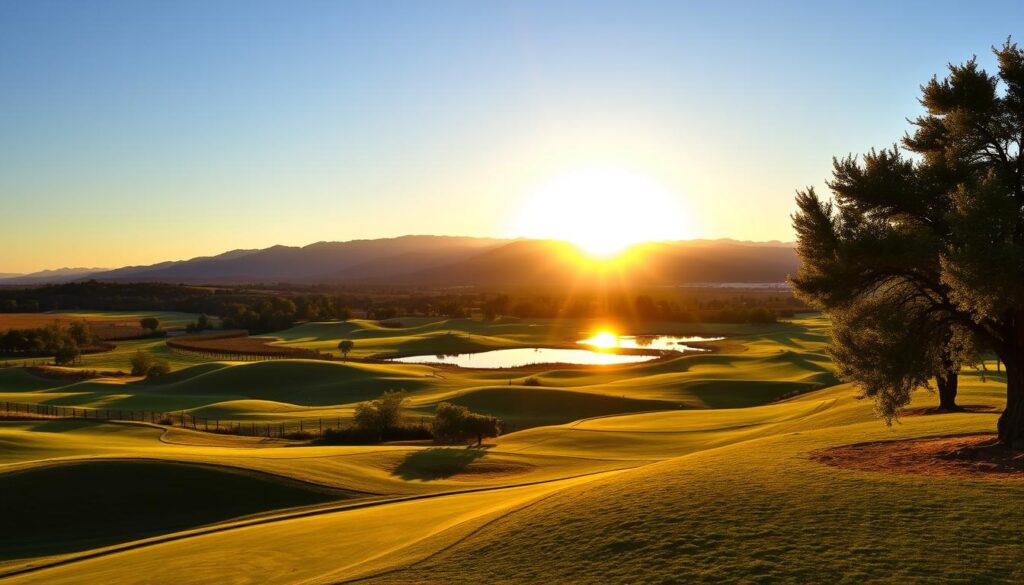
(134, 132)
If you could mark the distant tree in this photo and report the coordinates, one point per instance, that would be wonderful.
(66, 354)
(81, 332)
(141, 362)
(917, 253)
(150, 323)
(345, 346)
(645, 307)
(389, 405)
(202, 323)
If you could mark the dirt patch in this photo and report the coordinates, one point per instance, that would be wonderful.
(973, 456)
(106, 328)
(967, 409)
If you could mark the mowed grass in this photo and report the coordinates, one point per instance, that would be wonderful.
(697, 496)
(759, 510)
(694, 469)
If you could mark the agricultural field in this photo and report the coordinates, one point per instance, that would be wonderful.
(98, 319)
(703, 467)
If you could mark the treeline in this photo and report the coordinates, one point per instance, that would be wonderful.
(259, 311)
(274, 313)
(712, 306)
(263, 309)
(65, 343)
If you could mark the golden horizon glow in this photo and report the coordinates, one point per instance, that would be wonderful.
(602, 211)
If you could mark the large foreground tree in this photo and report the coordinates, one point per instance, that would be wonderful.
(921, 257)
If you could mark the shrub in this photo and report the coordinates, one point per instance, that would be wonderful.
(531, 381)
(158, 368)
(141, 363)
(151, 323)
(381, 415)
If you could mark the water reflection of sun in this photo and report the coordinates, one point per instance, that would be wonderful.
(602, 340)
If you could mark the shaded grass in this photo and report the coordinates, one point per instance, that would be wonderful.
(77, 506)
(436, 463)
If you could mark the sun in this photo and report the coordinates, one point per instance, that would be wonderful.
(603, 211)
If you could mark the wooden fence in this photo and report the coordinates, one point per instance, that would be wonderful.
(297, 428)
(307, 428)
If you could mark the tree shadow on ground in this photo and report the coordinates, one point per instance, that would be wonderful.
(439, 463)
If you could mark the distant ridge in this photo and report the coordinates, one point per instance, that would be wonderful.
(454, 261)
(50, 276)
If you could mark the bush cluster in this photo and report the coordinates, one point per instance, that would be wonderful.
(144, 364)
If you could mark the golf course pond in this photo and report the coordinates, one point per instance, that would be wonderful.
(602, 354)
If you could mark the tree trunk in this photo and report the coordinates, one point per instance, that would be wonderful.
(1011, 422)
(947, 383)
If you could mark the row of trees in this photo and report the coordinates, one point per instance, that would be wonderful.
(64, 342)
(273, 308)
(919, 257)
(276, 313)
(265, 309)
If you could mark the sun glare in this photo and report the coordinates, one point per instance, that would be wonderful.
(602, 340)
(602, 211)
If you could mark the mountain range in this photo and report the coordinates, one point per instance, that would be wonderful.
(454, 261)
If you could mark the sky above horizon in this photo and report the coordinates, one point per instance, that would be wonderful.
(137, 132)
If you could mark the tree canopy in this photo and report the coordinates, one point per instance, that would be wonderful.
(380, 415)
(454, 423)
(920, 256)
